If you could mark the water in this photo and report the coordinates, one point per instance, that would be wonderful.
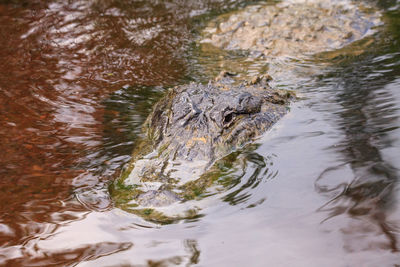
(77, 79)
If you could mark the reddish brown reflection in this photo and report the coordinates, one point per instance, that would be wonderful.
(58, 61)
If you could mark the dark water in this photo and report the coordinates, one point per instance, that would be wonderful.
(78, 78)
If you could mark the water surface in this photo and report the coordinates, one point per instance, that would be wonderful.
(78, 78)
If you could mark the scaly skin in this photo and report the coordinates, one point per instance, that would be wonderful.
(292, 29)
(189, 129)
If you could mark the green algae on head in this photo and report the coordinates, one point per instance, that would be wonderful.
(190, 129)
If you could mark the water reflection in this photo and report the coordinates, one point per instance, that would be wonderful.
(59, 61)
(364, 186)
(192, 258)
(77, 79)
(258, 169)
(71, 256)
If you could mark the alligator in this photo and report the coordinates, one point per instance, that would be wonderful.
(195, 125)
(190, 128)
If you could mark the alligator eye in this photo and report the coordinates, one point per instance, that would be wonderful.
(228, 118)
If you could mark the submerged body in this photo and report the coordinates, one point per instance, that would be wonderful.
(292, 28)
(193, 126)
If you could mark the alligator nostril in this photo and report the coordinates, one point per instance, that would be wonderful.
(228, 118)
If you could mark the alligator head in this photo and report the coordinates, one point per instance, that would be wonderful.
(193, 126)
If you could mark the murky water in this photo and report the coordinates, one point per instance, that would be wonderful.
(77, 80)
